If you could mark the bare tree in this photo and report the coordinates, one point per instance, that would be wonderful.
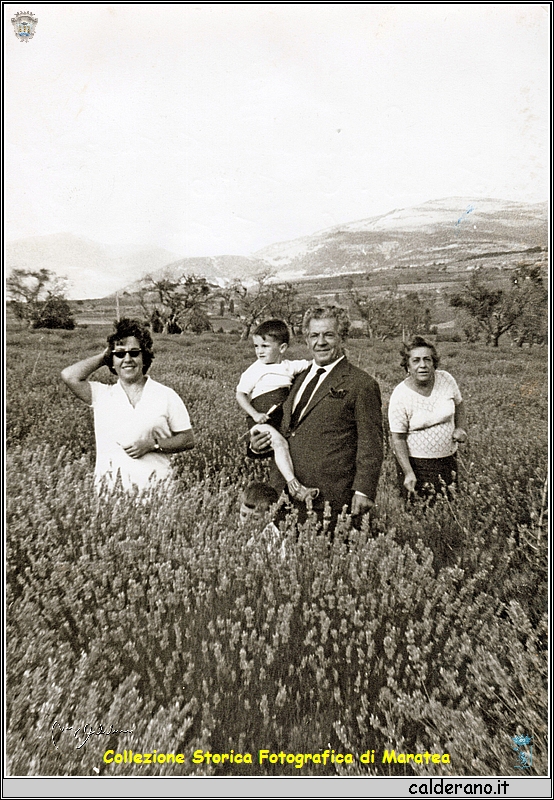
(391, 314)
(267, 299)
(174, 305)
(498, 311)
(254, 302)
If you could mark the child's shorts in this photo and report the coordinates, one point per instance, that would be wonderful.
(264, 402)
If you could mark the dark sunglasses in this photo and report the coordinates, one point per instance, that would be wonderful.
(134, 353)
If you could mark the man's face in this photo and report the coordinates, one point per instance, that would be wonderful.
(324, 342)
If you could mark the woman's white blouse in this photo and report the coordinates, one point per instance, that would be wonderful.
(428, 421)
(117, 424)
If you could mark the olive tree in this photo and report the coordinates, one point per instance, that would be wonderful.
(37, 298)
(498, 311)
(174, 305)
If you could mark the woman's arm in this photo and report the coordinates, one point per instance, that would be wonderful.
(176, 443)
(75, 377)
(460, 434)
(400, 448)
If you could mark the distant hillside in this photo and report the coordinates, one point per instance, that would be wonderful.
(217, 269)
(452, 234)
(92, 269)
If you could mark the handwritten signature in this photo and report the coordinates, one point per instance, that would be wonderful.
(85, 732)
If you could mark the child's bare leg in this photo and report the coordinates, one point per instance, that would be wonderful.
(284, 464)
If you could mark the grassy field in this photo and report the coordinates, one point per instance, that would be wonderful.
(424, 631)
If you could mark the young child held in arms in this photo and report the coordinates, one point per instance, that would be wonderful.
(262, 390)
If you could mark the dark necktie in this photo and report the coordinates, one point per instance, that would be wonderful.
(305, 399)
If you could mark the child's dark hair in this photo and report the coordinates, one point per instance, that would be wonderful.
(275, 328)
(259, 494)
(126, 327)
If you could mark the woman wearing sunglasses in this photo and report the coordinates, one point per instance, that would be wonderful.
(138, 422)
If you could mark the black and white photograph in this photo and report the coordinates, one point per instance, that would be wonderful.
(276, 399)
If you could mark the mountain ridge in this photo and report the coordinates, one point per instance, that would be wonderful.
(446, 234)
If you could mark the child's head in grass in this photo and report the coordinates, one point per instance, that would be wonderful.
(256, 500)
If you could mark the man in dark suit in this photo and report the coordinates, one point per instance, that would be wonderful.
(332, 421)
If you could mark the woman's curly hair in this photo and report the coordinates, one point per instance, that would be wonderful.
(412, 344)
(126, 327)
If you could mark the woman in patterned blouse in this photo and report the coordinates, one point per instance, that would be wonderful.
(427, 422)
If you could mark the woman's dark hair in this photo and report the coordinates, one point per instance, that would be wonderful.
(412, 344)
(126, 327)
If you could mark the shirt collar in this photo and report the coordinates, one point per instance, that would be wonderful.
(328, 367)
(121, 389)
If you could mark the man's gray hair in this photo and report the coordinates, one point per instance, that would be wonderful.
(328, 312)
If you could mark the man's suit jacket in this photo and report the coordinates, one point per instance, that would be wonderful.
(338, 444)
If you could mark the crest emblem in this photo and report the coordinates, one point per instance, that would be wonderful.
(24, 24)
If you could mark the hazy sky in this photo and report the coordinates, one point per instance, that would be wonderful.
(210, 128)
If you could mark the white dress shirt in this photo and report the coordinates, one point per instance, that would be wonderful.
(313, 369)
